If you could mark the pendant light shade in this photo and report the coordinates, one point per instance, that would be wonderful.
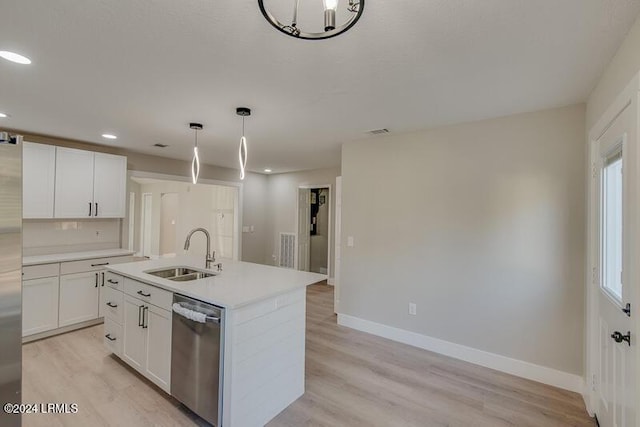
(243, 152)
(195, 163)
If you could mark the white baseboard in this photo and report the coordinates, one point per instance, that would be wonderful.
(500, 363)
(331, 281)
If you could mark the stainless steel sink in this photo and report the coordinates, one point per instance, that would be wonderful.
(181, 274)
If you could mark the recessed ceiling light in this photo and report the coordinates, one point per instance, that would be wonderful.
(14, 57)
(268, 170)
(3, 115)
(109, 136)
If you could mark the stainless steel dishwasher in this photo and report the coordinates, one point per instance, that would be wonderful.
(197, 356)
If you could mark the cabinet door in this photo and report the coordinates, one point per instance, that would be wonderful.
(158, 357)
(38, 180)
(74, 183)
(133, 351)
(39, 305)
(110, 185)
(78, 297)
(101, 291)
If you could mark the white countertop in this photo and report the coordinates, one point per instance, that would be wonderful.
(74, 256)
(240, 283)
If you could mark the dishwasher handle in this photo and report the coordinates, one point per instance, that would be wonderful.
(194, 315)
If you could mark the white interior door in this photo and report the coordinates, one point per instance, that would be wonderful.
(615, 180)
(304, 228)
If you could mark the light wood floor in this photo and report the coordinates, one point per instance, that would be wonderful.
(353, 379)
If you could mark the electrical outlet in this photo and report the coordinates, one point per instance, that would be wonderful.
(412, 308)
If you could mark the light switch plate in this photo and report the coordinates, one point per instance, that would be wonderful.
(350, 241)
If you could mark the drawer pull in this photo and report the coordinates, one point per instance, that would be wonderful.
(112, 305)
(100, 264)
(143, 294)
(113, 282)
(108, 336)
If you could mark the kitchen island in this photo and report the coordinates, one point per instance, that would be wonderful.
(262, 329)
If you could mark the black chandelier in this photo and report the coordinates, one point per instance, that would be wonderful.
(354, 8)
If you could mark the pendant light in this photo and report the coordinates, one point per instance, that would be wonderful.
(195, 163)
(289, 24)
(242, 150)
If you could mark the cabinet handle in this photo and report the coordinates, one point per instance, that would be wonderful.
(90, 208)
(140, 315)
(102, 280)
(100, 264)
(96, 214)
(112, 305)
(143, 294)
(113, 282)
(96, 280)
(145, 319)
(108, 336)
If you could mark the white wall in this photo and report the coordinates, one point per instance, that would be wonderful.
(481, 225)
(624, 65)
(281, 205)
(254, 213)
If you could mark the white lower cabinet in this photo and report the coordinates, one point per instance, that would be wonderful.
(147, 340)
(39, 305)
(113, 336)
(79, 298)
(158, 358)
(134, 348)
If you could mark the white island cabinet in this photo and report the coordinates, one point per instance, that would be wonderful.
(263, 336)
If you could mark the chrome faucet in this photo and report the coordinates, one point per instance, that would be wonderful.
(209, 257)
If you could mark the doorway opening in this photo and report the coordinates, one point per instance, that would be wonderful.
(171, 208)
(314, 225)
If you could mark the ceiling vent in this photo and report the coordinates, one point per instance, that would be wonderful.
(160, 145)
(378, 131)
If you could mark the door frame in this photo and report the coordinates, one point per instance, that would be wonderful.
(628, 98)
(329, 237)
(143, 220)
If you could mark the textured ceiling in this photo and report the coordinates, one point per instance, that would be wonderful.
(144, 69)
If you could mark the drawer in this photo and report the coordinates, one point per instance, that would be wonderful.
(151, 294)
(94, 264)
(114, 280)
(40, 271)
(113, 336)
(113, 301)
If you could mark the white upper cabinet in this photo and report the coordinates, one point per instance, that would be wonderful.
(38, 179)
(74, 183)
(89, 185)
(110, 185)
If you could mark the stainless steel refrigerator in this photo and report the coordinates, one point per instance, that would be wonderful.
(10, 275)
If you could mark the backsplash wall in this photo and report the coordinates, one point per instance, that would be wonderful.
(43, 237)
